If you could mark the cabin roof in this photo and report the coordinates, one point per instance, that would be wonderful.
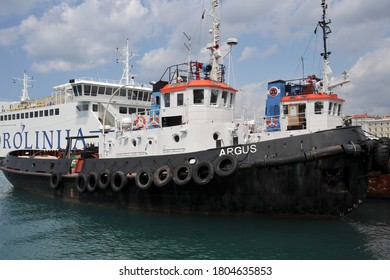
(181, 86)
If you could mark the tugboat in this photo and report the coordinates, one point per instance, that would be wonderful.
(188, 154)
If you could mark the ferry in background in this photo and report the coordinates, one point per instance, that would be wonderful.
(75, 108)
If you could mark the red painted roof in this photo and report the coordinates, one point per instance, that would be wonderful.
(311, 96)
(196, 83)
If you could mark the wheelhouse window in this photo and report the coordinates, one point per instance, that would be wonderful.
(330, 108)
(102, 90)
(214, 97)
(318, 107)
(339, 110)
(180, 99)
(87, 90)
(94, 90)
(224, 98)
(108, 91)
(231, 99)
(122, 92)
(167, 100)
(198, 96)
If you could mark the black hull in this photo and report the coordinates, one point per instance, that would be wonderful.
(316, 174)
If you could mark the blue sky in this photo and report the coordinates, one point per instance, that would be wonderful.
(59, 40)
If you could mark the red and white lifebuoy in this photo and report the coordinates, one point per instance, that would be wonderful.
(154, 120)
(271, 122)
(140, 122)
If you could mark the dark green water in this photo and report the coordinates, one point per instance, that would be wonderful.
(34, 227)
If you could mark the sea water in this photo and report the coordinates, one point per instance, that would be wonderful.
(36, 227)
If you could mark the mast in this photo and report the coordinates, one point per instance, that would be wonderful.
(27, 82)
(326, 71)
(125, 57)
(324, 24)
(214, 46)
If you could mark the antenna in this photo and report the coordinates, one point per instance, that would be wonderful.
(231, 42)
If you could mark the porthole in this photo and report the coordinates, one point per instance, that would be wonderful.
(176, 137)
(216, 136)
(134, 142)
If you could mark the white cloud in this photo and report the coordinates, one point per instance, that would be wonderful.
(368, 90)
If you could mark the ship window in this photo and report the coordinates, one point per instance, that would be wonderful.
(129, 93)
(46, 113)
(339, 110)
(87, 89)
(231, 99)
(140, 93)
(57, 111)
(108, 91)
(167, 100)
(180, 100)
(75, 90)
(123, 110)
(146, 96)
(135, 93)
(21, 116)
(224, 97)
(41, 113)
(122, 92)
(132, 110)
(5, 117)
(101, 90)
(17, 116)
(334, 109)
(141, 111)
(285, 110)
(198, 96)
(94, 90)
(1, 118)
(318, 107)
(214, 97)
(330, 108)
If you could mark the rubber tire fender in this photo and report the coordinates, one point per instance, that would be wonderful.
(180, 170)
(162, 176)
(203, 172)
(92, 182)
(118, 181)
(144, 178)
(55, 180)
(225, 165)
(81, 183)
(382, 157)
(104, 179)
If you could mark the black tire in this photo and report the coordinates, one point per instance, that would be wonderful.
(144, 178)
(118, 181)
(92, 182)
(162, 176)
(382, 157)
(182, 174)
(104, 179)
(225, 165)
(81, 183)
(203, 173)
(55, 181)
